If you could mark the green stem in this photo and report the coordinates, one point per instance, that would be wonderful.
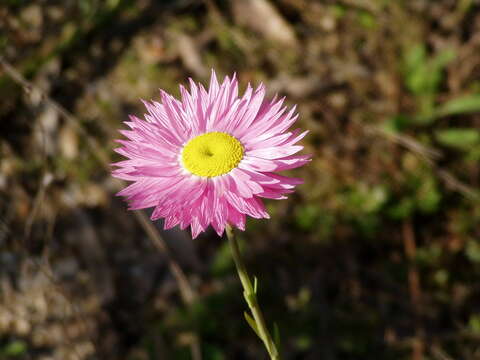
(250, 296)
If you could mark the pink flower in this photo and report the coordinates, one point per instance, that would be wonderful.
(209, 158)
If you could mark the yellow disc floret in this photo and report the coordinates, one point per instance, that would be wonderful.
(212, 154)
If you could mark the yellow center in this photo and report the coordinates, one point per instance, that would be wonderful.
(212, 154)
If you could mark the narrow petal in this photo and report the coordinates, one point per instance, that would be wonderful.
(275, 152)
(152, 147)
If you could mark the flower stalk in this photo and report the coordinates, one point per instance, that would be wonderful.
(250, 293)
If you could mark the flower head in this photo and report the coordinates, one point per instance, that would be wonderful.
(209, 158)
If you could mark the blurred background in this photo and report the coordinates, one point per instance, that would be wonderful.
(376, 256)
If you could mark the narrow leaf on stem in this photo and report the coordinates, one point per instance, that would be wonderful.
(252, 324)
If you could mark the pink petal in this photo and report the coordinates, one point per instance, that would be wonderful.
(153, 148)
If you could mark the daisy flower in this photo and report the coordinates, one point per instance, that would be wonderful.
(209, 158)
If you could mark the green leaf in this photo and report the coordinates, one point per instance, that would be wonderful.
(415, 63)
(460, 138)
(250, 298)
(402, 209)
(303, 342)
(443, 58)
(276, 336)
(423, 76)
(436, 67)
(472, 250)
(252, 323)
(367, 20)
(362, 198)
(255, 284)
(474, 323)
(396, 123)
(15, 348)
(461, 105)
(415, 57)
(306, 217)
(428, 196)
(338, 10)
(441, 277)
